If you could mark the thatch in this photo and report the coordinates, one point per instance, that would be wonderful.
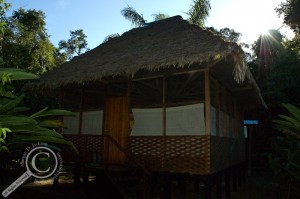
(166, 43)
(169, 43)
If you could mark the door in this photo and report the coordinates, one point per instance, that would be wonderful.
(116, 124)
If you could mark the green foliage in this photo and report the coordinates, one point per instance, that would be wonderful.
(160, 16)
(76, 45)
(133, 16)
(285, 160)
(109, 37)
(283, 83)
(4, 7)
(230, 34)
(285, 163)
(289, 124)
(22, 128)
(290, 11)
(26, 44)
(198, 12)
(294, 44)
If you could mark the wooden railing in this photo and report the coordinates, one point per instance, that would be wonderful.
(129, 156)
(146, 173)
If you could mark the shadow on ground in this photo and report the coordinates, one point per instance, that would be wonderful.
(256, 187)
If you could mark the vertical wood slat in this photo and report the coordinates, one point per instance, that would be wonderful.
(62, 102)
(230, 114)
(236, 125)
(164, 106)
(80, 111)
(163, 146)
(207, 102)
(224, 111)
(217, 98)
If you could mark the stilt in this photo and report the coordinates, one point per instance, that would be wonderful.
(55, 180)
(243, 170)
(239, 175)
(167, 187)
(234, 179)
(76, 174)
(219, 185)
(182, 185)
(207, 187)
(196, 186)
(227, 183)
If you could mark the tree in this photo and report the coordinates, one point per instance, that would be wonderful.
(283, 83)
(230, 34)
(109, 37)
(160, 16)
(26, 44)
(133, 16)
(4, 7)
(76, 45)
(266, 49)
(290, 11)
(199, 11)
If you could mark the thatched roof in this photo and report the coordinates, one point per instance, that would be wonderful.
(169, 43)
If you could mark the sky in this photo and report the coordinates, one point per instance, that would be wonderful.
(99, 18)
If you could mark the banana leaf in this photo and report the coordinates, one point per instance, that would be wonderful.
(34, 131)
(52, 112)
(293, 110)
(26, 139)
(51, 123)
(8, 120)
(17, 74)
(11, 104)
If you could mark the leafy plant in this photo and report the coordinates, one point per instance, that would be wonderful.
(285, 159)
(15, 126)
(289, 124)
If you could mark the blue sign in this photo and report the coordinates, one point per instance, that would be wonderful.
(250, 122)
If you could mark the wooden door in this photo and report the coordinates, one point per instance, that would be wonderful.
(116, 124)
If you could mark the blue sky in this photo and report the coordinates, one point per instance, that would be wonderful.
(99, 18)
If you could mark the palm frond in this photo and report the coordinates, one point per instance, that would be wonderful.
(198, 12)
(132, 15)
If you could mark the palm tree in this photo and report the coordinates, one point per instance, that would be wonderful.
(132, 15)
(160, 16)
(198, 12)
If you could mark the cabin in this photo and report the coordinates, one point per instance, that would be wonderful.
(168, 97)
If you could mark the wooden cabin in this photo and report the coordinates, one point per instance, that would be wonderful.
(168, 96)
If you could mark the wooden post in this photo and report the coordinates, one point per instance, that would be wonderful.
(227, 183)
(164, 93)
(164, 106)
(234, 178)
(219, 185)
(230, 114)
(80, 111)
(207, 102)
(236, 128)
(61, 104)
(207, 187)
(167, 187)
(225, 111)
(217, 98)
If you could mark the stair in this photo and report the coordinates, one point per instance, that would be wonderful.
(115, 182)
(128, 182)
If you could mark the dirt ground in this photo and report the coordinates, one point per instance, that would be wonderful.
(256, 187)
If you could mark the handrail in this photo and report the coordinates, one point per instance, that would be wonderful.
(127, 154)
